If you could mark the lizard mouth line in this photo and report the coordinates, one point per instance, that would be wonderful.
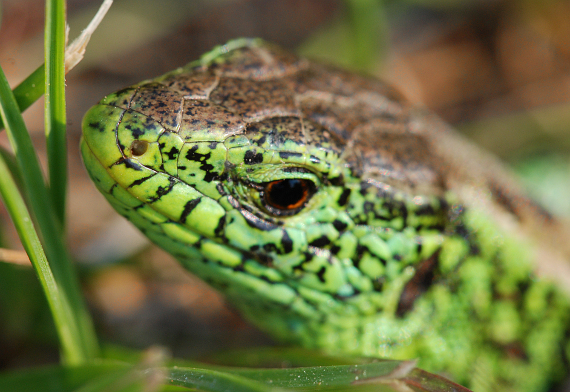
(261, 258)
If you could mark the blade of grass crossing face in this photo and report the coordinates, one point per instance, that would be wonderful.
(49, 229)
(55, 105)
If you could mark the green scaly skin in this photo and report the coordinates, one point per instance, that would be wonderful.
(401, 250)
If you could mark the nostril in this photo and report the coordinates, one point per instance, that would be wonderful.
(139, 147)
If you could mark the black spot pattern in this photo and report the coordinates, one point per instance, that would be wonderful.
(251, 158)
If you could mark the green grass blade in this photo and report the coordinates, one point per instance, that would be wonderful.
(22, 221)
(323, 376)
(55, 105)
(84, 344)
(10, 161)
(30, 90)
(215, 381)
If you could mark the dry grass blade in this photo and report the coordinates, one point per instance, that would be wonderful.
(18, 257)
(75, 51)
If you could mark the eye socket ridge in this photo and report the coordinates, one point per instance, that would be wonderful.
(287, 196)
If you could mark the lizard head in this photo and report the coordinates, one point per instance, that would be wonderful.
(245, 170)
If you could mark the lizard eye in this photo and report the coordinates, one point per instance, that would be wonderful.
(139, 147)
(288, 196)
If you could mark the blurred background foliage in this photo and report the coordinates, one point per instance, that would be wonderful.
(498, 70)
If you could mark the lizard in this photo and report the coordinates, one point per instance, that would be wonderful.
(334, 214)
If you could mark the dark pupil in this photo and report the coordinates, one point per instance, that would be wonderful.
(287, 194)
